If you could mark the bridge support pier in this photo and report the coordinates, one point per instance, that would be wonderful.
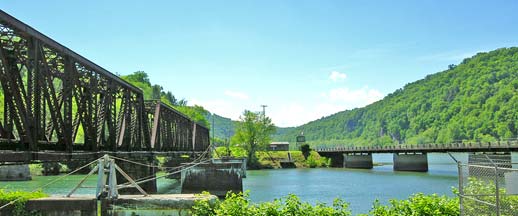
(417, 162)
(217, 177)
(15, 173)
(337, 158)
(136, 171)
(358, 160)
(489, 159)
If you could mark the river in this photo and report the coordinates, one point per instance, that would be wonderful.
(358, 187)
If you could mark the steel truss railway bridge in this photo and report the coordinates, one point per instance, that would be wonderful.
(50, 95)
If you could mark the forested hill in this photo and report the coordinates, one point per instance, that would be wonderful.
(476, 100)
(224, 128)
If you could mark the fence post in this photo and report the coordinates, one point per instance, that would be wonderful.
(461, 187)
(497, 195)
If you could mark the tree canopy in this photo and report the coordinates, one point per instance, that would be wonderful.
(253, 133)
(140, 79)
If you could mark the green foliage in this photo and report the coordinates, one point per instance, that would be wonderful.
(196, 113)
(291, 205)
(224, 128)
(20, 198)
(305, 149)
(313, 161)
(477, 186)
(253, 133)
(418, 204)
(140, 79)
(474, 100)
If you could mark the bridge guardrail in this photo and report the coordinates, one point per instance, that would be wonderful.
(507, 144)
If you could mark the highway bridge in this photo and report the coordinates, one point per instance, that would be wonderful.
(413, 157)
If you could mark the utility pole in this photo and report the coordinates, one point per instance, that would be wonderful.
(264, 112)
(213, 128)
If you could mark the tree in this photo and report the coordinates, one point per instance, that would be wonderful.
(305, 149)
(253, 133)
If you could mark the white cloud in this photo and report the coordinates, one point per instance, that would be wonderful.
(294, 111)
(221, 107)
(353, 97)
(336, 76)
(236, 94)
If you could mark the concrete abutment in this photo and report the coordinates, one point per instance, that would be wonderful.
(15, 173)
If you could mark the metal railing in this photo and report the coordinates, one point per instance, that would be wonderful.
(435, 147)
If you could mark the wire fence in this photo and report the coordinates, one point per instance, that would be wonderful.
(488, 185)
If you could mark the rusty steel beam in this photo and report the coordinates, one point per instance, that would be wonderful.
(172, 130)
(28, 30)
(55, 99)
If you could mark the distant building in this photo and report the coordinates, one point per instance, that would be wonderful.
(279, 146)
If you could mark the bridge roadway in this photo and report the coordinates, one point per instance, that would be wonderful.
(60, 106)
(414, 157)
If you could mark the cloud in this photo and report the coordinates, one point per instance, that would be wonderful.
(353, 97)
(225, 108)
(236, 94)
(336, 76)
(295, 111)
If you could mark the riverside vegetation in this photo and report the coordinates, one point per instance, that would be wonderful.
(291, 205)
(272, 159)
(416, 205)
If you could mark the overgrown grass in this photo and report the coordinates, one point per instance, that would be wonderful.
(21, 198)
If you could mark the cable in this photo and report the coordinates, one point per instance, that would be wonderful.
(155, 166)
(168, 171)
(52, 182)
(151, 179)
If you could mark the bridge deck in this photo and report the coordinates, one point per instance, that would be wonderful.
(59, 156)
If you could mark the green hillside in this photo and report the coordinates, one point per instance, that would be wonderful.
(476, 100)
(223, 127)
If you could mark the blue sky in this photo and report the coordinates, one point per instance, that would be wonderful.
(304, 59)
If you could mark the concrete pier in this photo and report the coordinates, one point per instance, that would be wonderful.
(502, 159)
(137, 171)
(337, 158)
(216, 178)
(358, 161)
(411, 162)
(15, 173)
(489, 160)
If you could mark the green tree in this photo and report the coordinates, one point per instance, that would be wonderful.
(253, 132)
(305, 149)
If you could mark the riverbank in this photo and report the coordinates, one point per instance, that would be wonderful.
(273, 159)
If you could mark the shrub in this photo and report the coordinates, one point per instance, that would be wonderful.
(291, 205)
(21, 198)
(418, 204)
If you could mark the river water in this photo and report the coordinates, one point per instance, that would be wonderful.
(358, 187)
